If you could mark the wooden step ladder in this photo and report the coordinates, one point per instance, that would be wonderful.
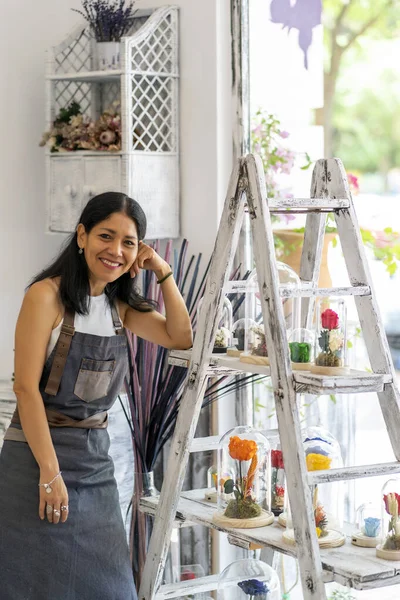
(329, 194)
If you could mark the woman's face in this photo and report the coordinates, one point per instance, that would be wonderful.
(110, 248)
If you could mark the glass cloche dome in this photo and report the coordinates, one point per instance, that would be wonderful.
(249, 579)
(245, 499)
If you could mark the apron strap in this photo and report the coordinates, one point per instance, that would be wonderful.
(62, 349)
(119, 329)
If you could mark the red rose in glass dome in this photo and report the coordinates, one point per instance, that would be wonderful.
(277, 459)
(187, 575)
(329, 319)
(386, 501)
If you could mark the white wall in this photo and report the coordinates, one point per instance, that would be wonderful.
(26, 31)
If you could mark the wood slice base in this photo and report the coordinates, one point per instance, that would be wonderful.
(318, 370)
(233, 352)
(363, 541)
(301, 366)
(387, 554)
(334, 539)
(254, 360)
(266, 518)
(282, 519)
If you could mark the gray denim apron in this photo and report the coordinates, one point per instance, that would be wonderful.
(86, 558)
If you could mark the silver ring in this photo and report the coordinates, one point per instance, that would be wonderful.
(56, 512)
(49, 509)
(63, 508)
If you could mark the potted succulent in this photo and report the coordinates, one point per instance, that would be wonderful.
(108, 20)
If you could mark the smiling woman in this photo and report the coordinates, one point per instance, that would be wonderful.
(70, 363)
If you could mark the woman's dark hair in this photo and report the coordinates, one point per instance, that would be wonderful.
(71, 266)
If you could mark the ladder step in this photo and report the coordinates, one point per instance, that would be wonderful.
(355, 382)
(186, 588)
(204, 444)
(307, 292)
(346, 565)
(345, 473)
(307, 204)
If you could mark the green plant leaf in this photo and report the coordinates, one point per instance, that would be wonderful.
(228, 486)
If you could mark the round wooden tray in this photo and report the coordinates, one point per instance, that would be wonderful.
(301, 366)
(363, 541)
(233, 352)
(329, 370)
(254, 360)
(266, 518)
(334, 539)
(387, 554)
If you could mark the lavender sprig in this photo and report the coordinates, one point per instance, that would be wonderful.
(109, 20)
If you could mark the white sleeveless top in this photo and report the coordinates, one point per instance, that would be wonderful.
(97, 322)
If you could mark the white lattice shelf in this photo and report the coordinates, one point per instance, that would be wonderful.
(91, 76)
(349, 565)
(306, 382)
(145, 85)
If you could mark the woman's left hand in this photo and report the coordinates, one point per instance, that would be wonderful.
(148, 259)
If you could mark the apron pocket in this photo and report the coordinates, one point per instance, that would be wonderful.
(94, 379)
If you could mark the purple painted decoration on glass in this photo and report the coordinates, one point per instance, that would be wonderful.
(304, 15)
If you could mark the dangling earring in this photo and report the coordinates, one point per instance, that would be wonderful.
(80, 250)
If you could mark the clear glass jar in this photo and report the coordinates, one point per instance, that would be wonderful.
(255, 346)
(390, 521)
(331, 337)
(245, 499)
(278, 481)
(239, 332)
(367, 526)
(213, 482)
(249, 579)
(322, 452)
(223, 335)
(301, 346)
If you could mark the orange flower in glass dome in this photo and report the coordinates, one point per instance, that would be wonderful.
(243, 506)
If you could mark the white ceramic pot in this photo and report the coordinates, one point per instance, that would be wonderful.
(107, 56)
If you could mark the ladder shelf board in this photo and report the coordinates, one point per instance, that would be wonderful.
(348, 565)
(89, 76)
(306, 290)
(185, 588)
(305, 381)
(307, 204)
(206, 444)
(358, 472)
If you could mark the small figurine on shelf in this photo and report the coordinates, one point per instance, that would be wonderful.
(368, 526)
(301, 345)
(223, 336)
(256, 350)
(277, 482)
(245, 499)
(211, 495)
(331, 343)
(249, 579)
(239, 330)
(390, 546)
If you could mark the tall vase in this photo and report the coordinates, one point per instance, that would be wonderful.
(141, 524)
(291, 254)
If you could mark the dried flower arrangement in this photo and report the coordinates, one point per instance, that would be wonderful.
(392, 506)
(108, 20)
(243, 506)
(72, 131)
(331, 340)
(255, 589)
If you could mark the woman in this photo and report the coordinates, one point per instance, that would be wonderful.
(61, 530)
